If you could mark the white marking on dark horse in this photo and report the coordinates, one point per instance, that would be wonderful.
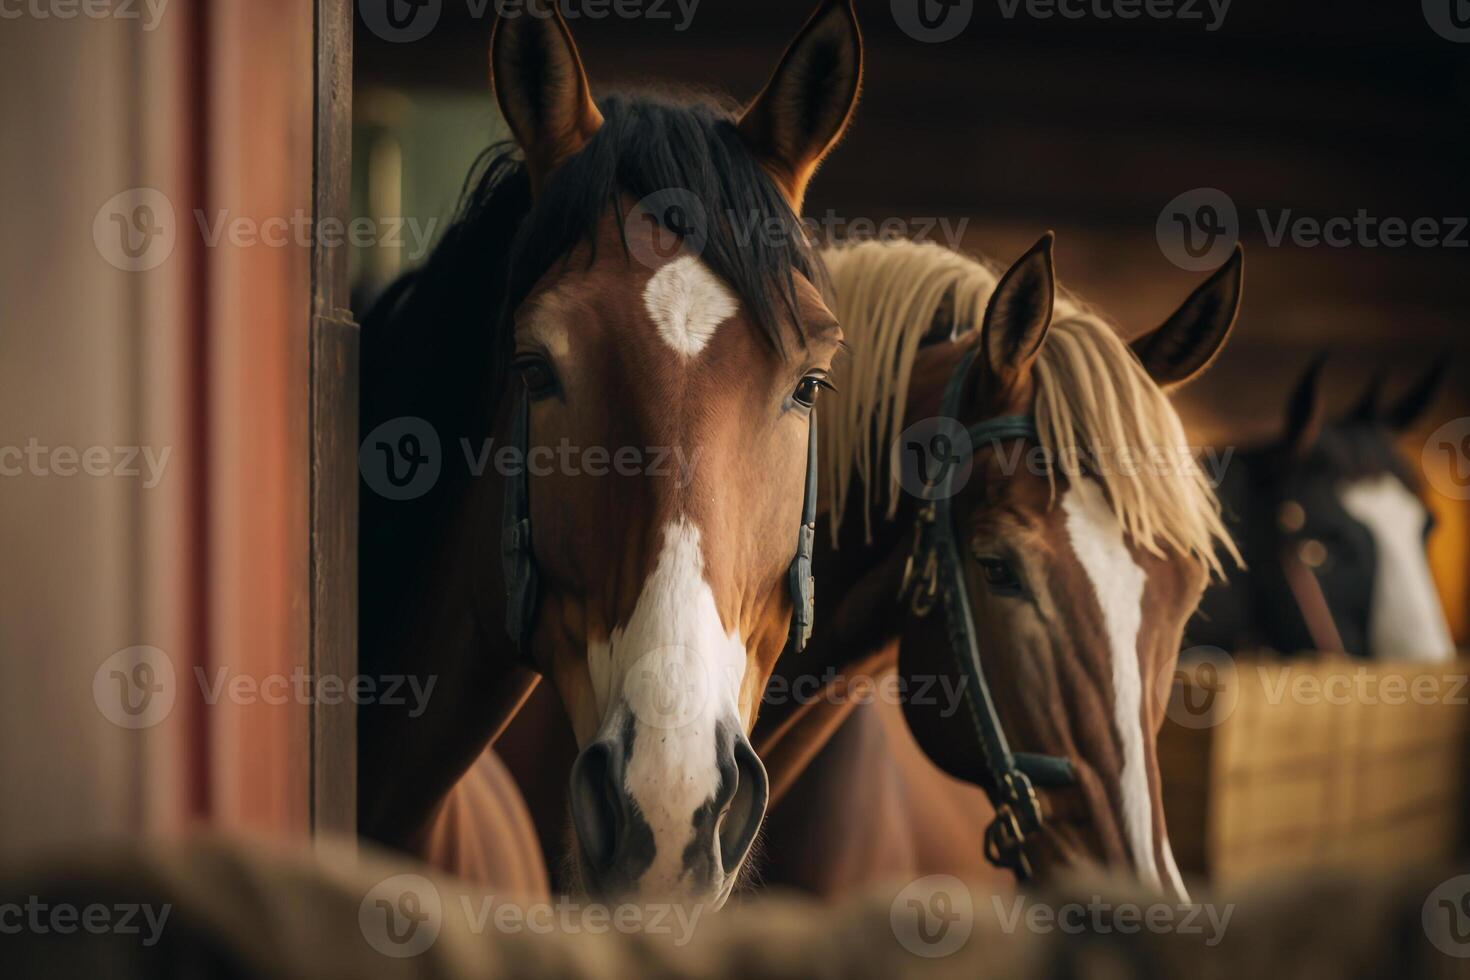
(1097, 540)
(1406, 620)
(687, 304)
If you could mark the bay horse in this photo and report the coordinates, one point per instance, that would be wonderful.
(570, 328)
(1082, 535)
(1331, 522)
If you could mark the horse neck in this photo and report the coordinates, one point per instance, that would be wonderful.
(429, 614)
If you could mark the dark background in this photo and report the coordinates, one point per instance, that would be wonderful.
(1090, 126)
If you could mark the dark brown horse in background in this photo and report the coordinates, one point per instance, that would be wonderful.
(1332, 524)
(571, 306)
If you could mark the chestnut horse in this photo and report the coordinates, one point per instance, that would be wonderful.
(1084, 534)
(611, 392)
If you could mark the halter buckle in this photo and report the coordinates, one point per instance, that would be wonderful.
(1005, 842)
(1017, 817)
(927, 593)
(922, 600)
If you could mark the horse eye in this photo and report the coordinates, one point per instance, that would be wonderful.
(1000, 576)
(536, 374)
(807, 388)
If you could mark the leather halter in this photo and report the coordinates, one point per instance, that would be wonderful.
(936, 570)
(518, 561)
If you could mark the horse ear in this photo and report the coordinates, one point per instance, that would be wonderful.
(1416, 401)
(1179, 351)
(1306, 410)
(1019, 313)
(1369, 403)
(802, 111)
(541, 87)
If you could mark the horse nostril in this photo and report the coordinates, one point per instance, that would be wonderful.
(746, 807)
(597, 802)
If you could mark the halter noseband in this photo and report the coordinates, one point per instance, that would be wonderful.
(518, 562)
(1010, 778)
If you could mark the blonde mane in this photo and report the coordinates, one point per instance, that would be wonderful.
(1097, 411)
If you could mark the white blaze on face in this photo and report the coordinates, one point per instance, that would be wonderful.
(1406, 620)
(671, 668)
(675, 670)
(687, 303)
(1097, 540)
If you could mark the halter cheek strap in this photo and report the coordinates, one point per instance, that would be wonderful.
(518, 561)
(799, 580)
(1008, 778)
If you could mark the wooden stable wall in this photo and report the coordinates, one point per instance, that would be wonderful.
(211, 354)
